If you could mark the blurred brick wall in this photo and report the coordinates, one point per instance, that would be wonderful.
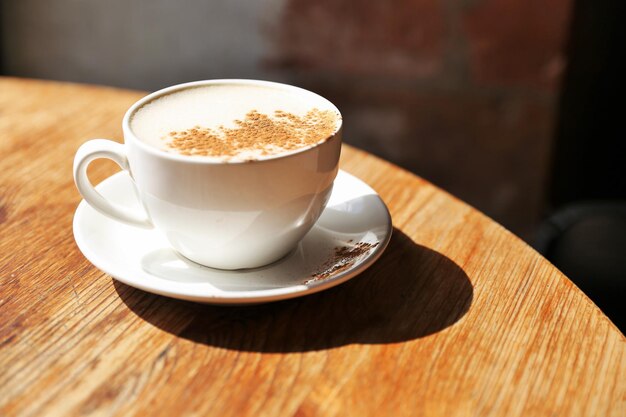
(463, 93)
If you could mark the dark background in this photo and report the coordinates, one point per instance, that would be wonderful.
(463, 93)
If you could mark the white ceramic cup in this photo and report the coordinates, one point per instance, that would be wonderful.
(227, 215)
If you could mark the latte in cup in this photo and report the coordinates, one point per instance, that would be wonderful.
(234, 122)
(232, 173)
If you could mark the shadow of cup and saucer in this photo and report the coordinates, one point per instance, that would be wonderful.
(410, 292)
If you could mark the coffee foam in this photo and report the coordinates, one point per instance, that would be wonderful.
(235, 122)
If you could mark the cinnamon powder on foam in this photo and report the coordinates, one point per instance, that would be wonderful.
(258, 133)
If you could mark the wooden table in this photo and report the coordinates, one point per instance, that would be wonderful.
(458, 318)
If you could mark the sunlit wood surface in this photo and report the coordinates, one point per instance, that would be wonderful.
(458, 318)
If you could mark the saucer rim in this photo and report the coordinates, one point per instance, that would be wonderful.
(233, 297)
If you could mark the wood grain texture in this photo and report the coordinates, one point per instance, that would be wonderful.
(458, 317)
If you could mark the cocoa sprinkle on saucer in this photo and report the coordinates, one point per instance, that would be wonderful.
(343, 258)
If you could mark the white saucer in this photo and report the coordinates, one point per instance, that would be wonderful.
(354, 219)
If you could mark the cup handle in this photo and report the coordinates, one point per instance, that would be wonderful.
(101, 148)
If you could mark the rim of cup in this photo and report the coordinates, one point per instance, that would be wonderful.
(130, 135)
